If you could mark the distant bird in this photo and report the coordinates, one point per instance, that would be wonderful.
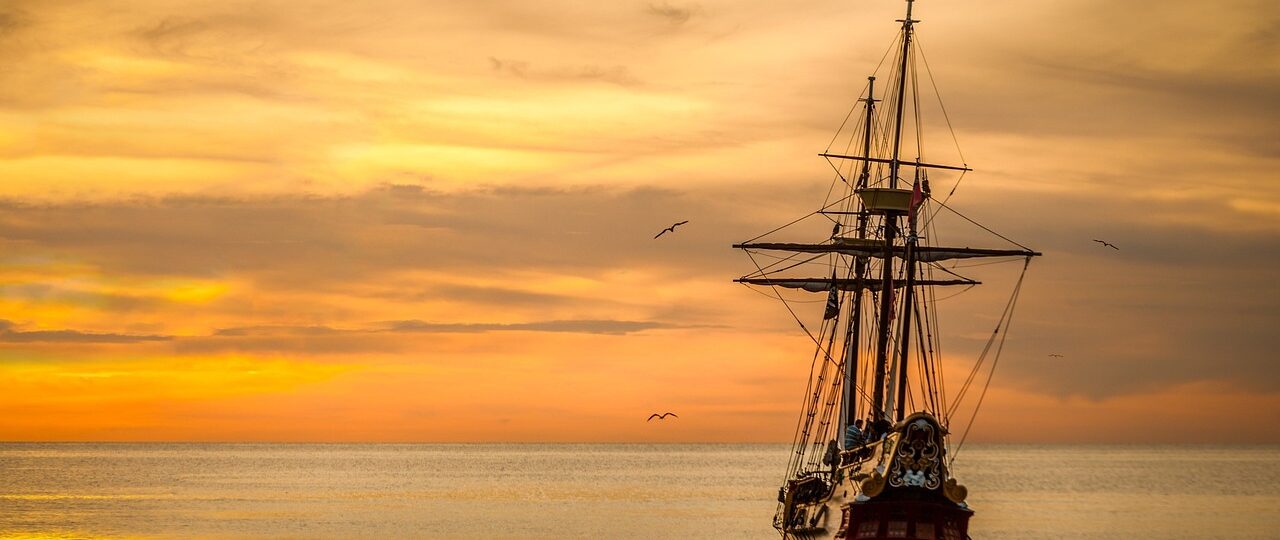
(1055, 356)
(1108, 244)
(672, 229)
(662, 416)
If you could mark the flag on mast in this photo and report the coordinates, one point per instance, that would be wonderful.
(833, 300)
(917, 199)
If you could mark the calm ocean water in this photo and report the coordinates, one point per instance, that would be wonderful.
(597, 491)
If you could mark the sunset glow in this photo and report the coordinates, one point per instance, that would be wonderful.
(408, 221)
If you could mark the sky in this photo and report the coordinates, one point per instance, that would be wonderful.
(432, 221)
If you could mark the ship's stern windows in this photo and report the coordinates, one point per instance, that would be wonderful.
(896, 529)
(951, 531)
(868, 529)
(925, 531)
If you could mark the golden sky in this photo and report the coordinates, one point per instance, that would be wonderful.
(402, 220)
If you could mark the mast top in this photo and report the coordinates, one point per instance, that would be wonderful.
(908, 21)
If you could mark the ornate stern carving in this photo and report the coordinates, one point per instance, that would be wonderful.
(917, 459)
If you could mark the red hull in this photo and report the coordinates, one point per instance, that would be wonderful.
(920, 520)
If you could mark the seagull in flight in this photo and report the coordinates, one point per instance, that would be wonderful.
(1108, 244)
(662, 416)
(672, 228)
(1055, 355)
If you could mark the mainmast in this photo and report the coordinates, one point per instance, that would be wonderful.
(902, 92)
(890, 232)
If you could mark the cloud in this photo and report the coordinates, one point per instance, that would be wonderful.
(52, 294)
(491, 295)
(386, 337)
(674, 15)
(414, 326)
(1165, 309)
(608, 327)
(618, 75)
(297, 240)
(491, 174)
(9, 334)
(243, 331)
(12, 21)
(447, 261)
(217, 39)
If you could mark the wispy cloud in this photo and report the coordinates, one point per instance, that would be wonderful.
(618, 75)
(399, 337)
(674, 14)
(608, 327)
(11, 21)
(419, 252)
(9, 333)
(588, 326)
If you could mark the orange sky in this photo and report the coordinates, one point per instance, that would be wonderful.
(409, 221)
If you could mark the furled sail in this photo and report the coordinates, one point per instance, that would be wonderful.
(900, 162)
(876, 249)
(844, 284)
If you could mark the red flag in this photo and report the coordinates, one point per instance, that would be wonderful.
(917, 199)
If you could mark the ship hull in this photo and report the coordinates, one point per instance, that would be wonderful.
(924, 520)
(897, 487)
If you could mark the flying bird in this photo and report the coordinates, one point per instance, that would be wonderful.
(672, 229)
(1108, 244)
(1054, 355)
(662, 416)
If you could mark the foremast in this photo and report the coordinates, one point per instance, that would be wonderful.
(849, 400)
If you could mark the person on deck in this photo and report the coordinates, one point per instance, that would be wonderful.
(882, 428)
(832, 457)
(853, 435)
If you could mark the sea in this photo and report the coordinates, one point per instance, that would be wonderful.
(615, 491)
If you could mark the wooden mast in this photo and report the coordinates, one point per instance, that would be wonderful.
(908, 298)
(890, 227)
(853, 334)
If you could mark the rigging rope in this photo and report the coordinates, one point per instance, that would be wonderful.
(789, 310)
(799, 219)
(764, 271)
(984, 227)
(1006, 320)
(793, 463)
(920, 48)
(892, 46)
(931, 324)
(915, 108)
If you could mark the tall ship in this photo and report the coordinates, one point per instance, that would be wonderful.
(875, 441)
